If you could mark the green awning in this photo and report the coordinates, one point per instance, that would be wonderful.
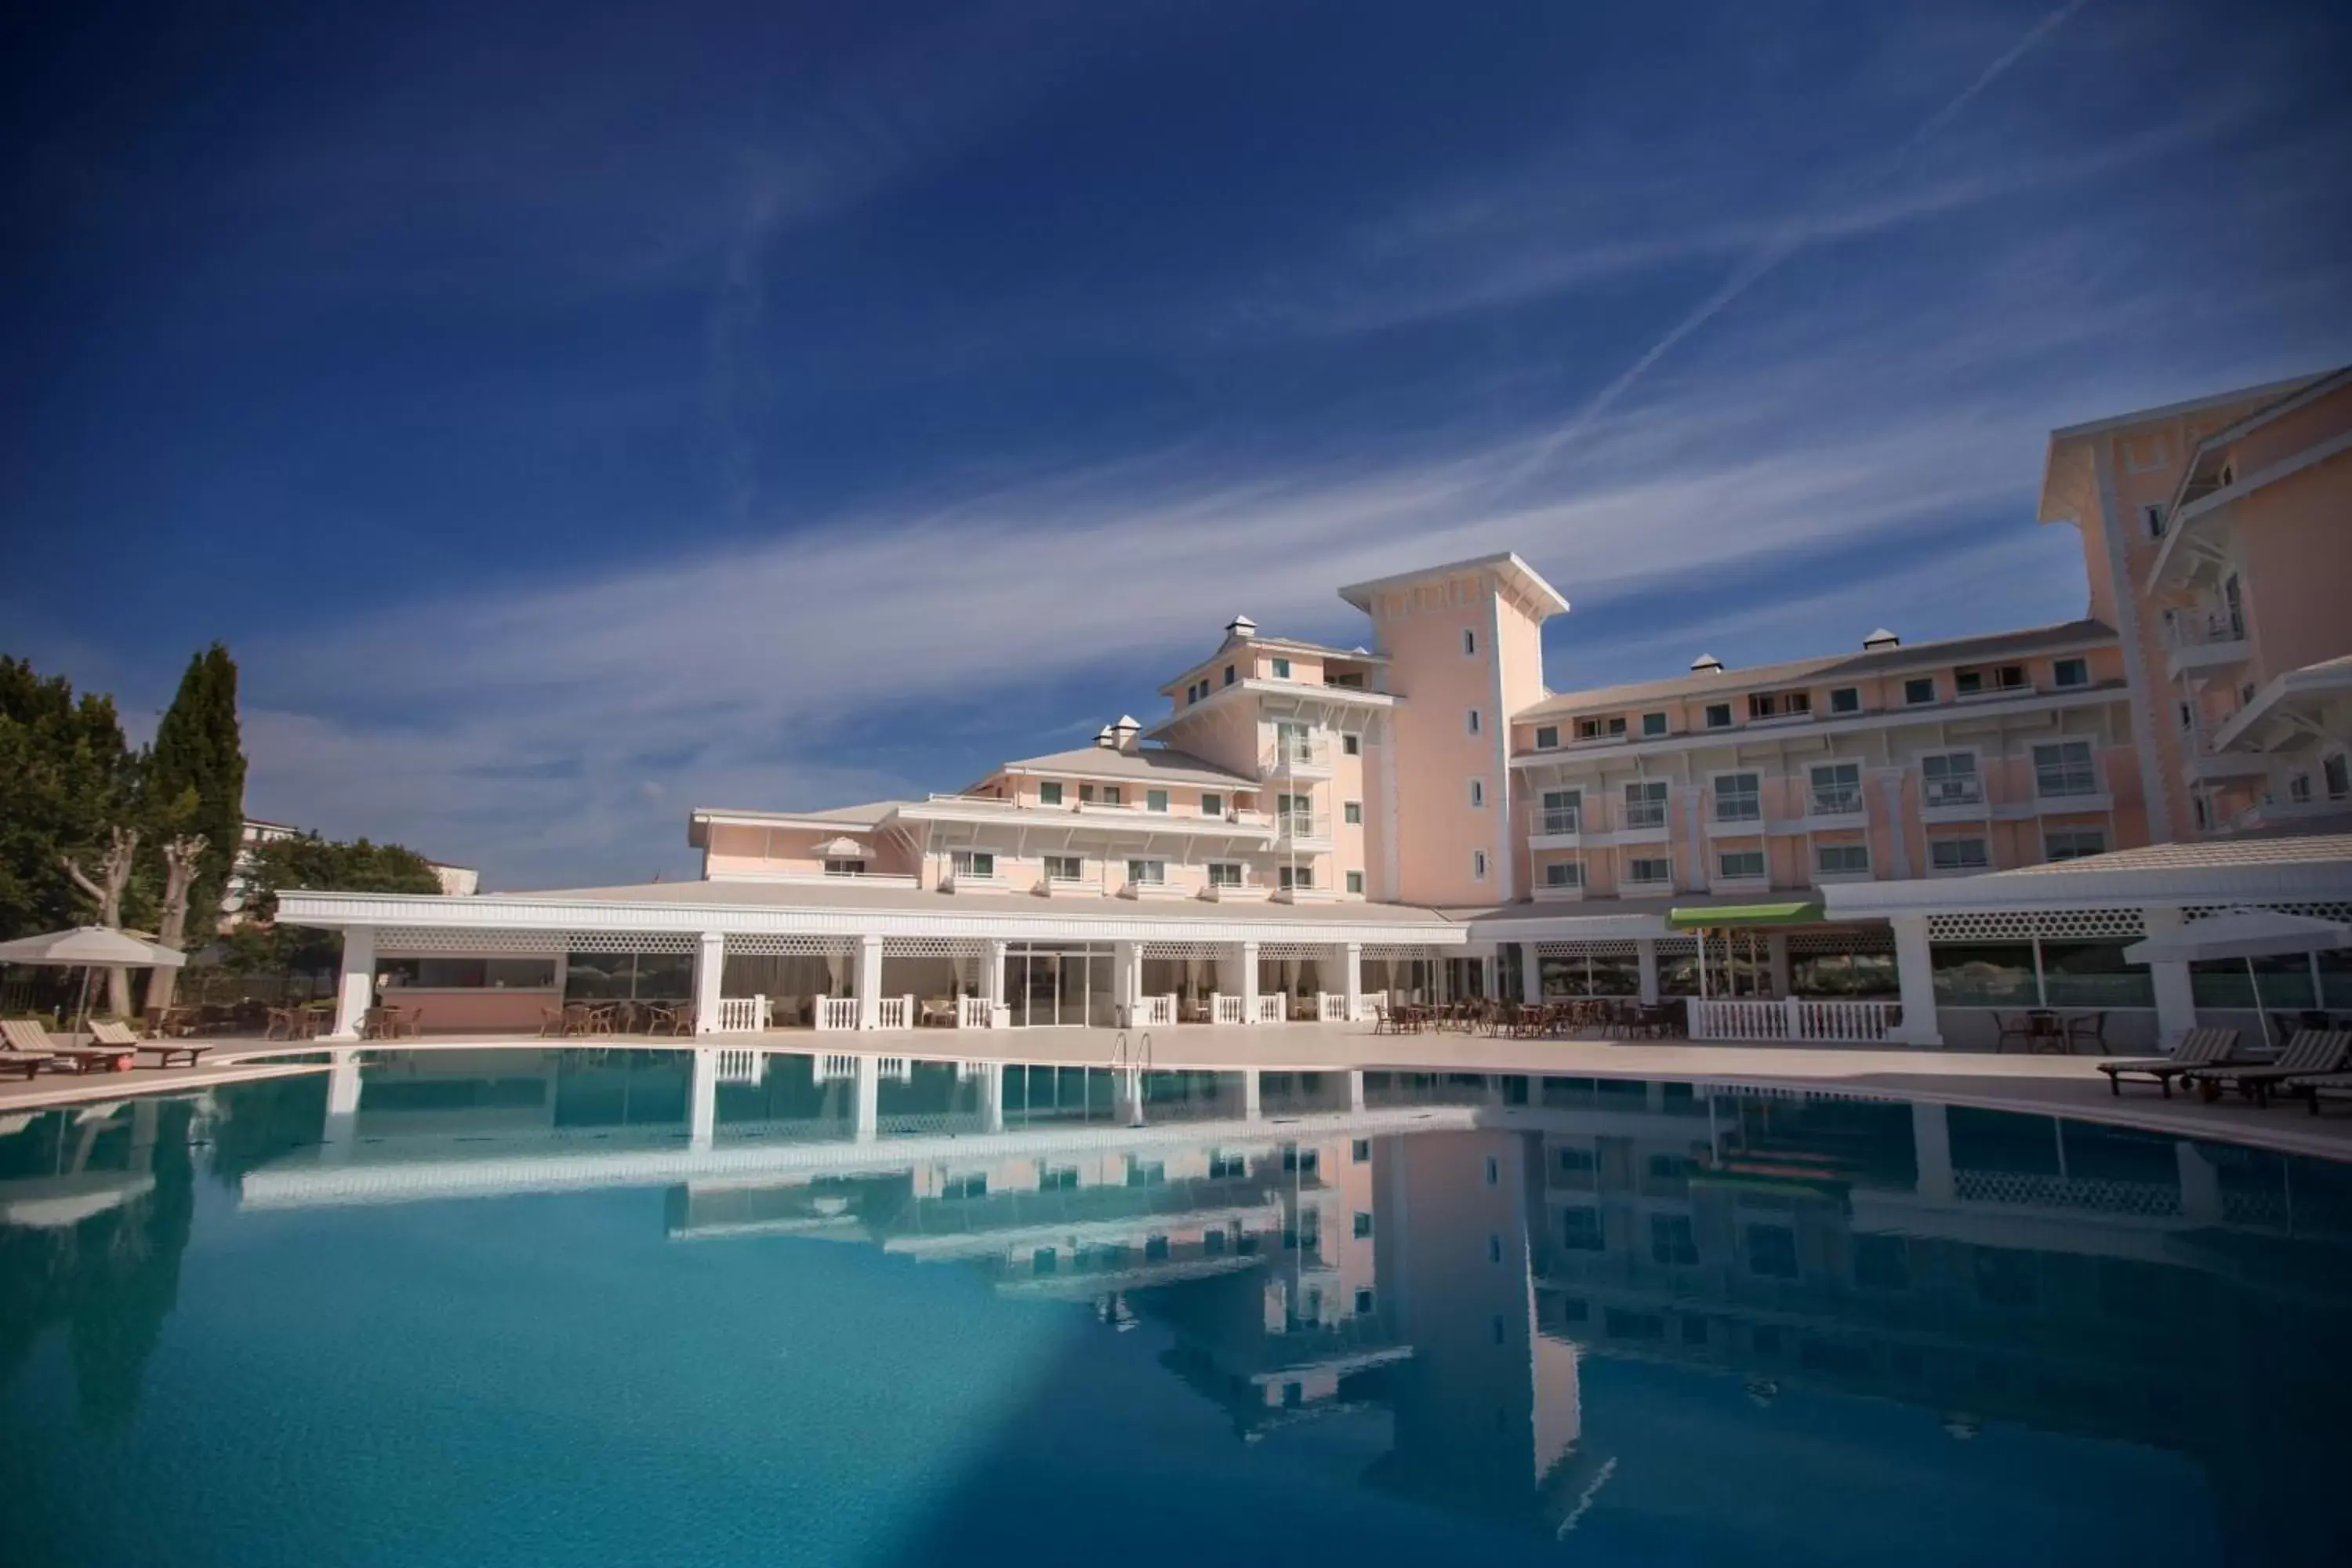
(1788, 912)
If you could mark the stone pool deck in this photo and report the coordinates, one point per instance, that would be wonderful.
(2032, 1085)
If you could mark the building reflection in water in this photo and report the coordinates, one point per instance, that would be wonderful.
(1458, 1253)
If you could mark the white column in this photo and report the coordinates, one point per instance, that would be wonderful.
(1776, 959)
(1252, 1102)
(2176, 1001)
(2201, 1185)
(1931, 1151)
(1356, 1091)
(1127, 963)
(702, 1097)
(1489, 975)
(1248, 963)
(1530, 973)
(355, 990)
(867, 1085)
(1348, 957)
(709, 971)
(1915, 970)
(869, 981)
(1645, 954)
(991, 1096)
(341, 1128)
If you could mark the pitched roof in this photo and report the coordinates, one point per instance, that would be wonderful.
(1881, 662)
(2281, 846)
(1506, 565)
(1157, 765)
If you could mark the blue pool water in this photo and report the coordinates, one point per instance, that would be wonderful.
(627, 1307)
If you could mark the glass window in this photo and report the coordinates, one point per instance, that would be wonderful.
(1364, 1303)
(1049, 794)
(2074, 843)
(1561, 810)
(1155, 800)
(1654, 723)
(1881, 1263)
(2284, 983)
(1282, 669)
(1469, 642)
(1957, 854)
(1772, 1251)
(1085, 794)
(1919, 688)
(844, 867)
(1741, 865)
(1352, 745)
(1356, 882)
(1837, 788)
(2065, 768)
(2071, 672)
(1984, 974)
(2335, 772)
(1650, 870)
(1579, 1230)
(1646, 803)
(1478, 794)
(1739, 797)
(1949, 778)
(1064, 868)
(1148, 873)
(1671, 1241)
(1351, 812)
(1360, 1151)
(1967, 682)
(1470, 720)
(1478, 864)
(1114, 794)
(1546, 737)
(608, 972)
(1213, 805)
(1779, 704)
(1845, 700)
(2093, 974)
(1563, 874)
(1296, 877)
(1599, 729)
(1840, 859)
(1229, 675)
(973, 863)
(1718, 715)
(1225, 874)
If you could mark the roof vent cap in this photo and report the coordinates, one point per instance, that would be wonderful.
(1706, 664)
(1103, 737)
(1123, 733)
(1880, 640)
(1240, 626)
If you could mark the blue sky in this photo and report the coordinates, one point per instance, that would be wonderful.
(573, 414)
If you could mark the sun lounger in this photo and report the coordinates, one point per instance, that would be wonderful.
(2197, 1047)
(2312, 1085)
(25, 1062)
(107, 1032)
(27, 1038)
(2310, 1054)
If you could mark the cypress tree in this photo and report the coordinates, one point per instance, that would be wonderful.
(195, 775)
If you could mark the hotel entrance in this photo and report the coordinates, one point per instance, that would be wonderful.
(1061, 983)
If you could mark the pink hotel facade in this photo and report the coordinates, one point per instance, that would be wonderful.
(1886, 842)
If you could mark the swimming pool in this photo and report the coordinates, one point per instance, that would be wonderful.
(635, 1306)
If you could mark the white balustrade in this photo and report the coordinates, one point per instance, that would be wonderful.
(895, 1013)
(898, 1069)
(1330, 1006)
(836, 1011)
(741, 1016)
(1225, 1009)
(971, 1013)
(1153, 1012)
(1273, 1010)
(741, 1066)
(1798, 1019)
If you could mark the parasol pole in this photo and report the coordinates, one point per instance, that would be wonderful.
(2262, 1018)
(81, 1003)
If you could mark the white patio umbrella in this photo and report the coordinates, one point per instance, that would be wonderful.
(2248, 934)
(89, 948)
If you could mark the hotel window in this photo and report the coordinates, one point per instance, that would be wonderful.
(1085, 794)
(1470, 722)
(1213, 805)
(1741, 865)
(1837, 789)
(1739, 797)
(2000, 678)
(2298, 788)
(1846, 700)
(1650, 870)
(1360, 1151)
(2071, 672)
(1563, 874)
(2152, 518)
(1919, 689)
(1356, 883)
(1772, 1251)
(1718, 715)
(1225, 874)
(2188, 717)
(1148, 873)
(2335, 772)
(1478, 794)
(1155, 800)
(1049, 794)
(1065, 867)
(1949, 778)
(1364, 1303)
(1599, 729)
(1546, 737)
(1352, 745)
(844, 867)
(1291, 877)
(1562, 811)
(1351, 812)
(973, 863)
(1840, 859)
(1654, 723)
(1229, 675)
(1579, 1230)
(1494, 1172)
(1958, 855)
(1671, 1241)
(1779, 704)
(2063, 768)
(1494, 1247)
(1363, 1225)
(1469, 644)
(1113, 794)
(1646, 803)
(2074, 843)
(1282, 669)
(1478, 865)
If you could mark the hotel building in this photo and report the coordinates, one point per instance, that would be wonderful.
(1883, 843)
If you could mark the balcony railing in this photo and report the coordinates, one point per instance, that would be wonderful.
(2062, 781)
(1293, 825)
(1958, 792)
(1793, 1018)
(1738, 808)
(2203, 629)
(1839, 802)
(1646, 814)
(1560, 819)
(1298, 751)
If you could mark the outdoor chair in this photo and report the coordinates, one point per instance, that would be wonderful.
(2311, 1054)
(26, 1036)
(2087, 1028)
(107, 1032)
(2312, 1086)
(2197, 1047)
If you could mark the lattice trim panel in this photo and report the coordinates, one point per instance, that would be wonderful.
(632, 942)
(931, 946)
(1294, 949)
(1186, 948)
(1865, 939)
(2339, 913)
(1397, 950)
(785, 945)
(1611, 948)
(528, 943)
(2005, 925)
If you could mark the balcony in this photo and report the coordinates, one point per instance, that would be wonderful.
(962, 879)
(1236, 893)
(1842, 806)
(1556, 892)
(1305, 830)
(1295, 758)
(2203, 641)
(1952, 799)
(1557, 827)
(1736, 816)
(1152, 887)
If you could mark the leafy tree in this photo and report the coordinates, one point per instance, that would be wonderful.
(194, 778)
(320, 865)
(66, 781)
